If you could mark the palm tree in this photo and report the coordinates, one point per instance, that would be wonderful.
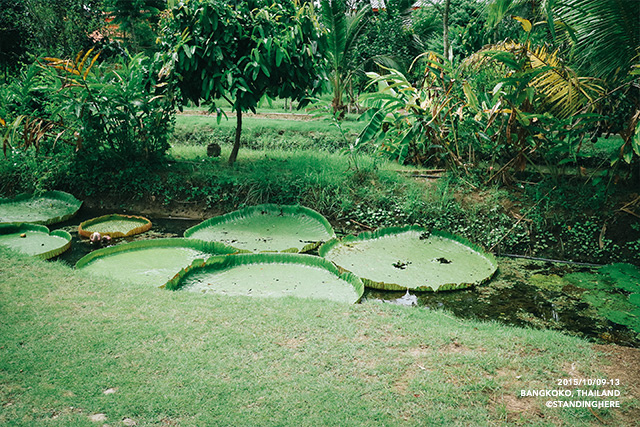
(606, 35)
(343, 26)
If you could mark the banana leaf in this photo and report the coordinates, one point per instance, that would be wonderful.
(266, 228)
(115, 226)
(150, 262)
(49, 208)
(34, 240)
(411, 258)
(269, 275)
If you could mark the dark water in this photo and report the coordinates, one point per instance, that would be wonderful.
(508, 298)
(161, 228)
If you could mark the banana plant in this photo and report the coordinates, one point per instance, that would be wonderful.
(415, 124)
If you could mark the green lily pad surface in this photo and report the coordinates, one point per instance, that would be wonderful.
(148, 262)
(411, 258)
(49, 208)
(115, 226)
(266, 228)
(34, 240)
(270, 275)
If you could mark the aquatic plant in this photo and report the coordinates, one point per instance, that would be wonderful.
(411, 258)
(115, 226)
(48, 208)
(269, 275)
(34, 240)
(266, 227)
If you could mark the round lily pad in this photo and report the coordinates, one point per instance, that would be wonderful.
(266, 228)
(151, 262)
(34, 240)
(269, 275)
(49, 208)
(115, 226)
(411, 258)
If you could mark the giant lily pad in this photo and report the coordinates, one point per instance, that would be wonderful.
(266, 228)
(411, 258)
(151, 262)
(115, 226)
(34, 240)
(270, 275)
(49, 208)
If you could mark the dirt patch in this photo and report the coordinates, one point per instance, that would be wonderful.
(518, 410)
(455, 347)
(152, 208)
(624, 366)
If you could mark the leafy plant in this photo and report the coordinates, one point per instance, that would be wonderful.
(123, 113)
(344, 28)
(241, 51)
(415, 124)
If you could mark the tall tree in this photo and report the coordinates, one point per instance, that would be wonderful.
(240, 51)
(344, 26)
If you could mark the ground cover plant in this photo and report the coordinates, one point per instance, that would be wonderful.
(74, 346)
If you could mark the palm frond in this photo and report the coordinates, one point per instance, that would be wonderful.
(607, 34)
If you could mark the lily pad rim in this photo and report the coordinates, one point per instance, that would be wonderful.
(59, 195)
(223, 262)
(271, 208)
(115, 234)
(388, 231)
(15, 228)
(214, 248)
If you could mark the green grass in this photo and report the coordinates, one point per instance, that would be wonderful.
(194, 360)
(256, 125)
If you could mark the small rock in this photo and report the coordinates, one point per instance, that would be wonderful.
(110, 391)
(23, 235)
(129, 422)
(98, 417)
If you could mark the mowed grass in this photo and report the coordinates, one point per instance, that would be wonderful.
(183, 359)
(252, 124)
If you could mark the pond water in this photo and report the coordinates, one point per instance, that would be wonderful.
(511, 297)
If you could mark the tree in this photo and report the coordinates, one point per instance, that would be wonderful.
(241, 51)
(602, 41)
(137, 21)
(60, 28)
(12, 39)
(344, 28)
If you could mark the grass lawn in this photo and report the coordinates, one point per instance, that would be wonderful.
(73, 346)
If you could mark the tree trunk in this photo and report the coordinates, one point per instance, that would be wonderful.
(445, 28)
(236, 143)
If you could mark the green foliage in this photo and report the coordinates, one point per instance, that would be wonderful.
(137, 21)
(605, 290)
(344, 28)
(33, 28)
(242, 51)
(415, 124)
(123, 112)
